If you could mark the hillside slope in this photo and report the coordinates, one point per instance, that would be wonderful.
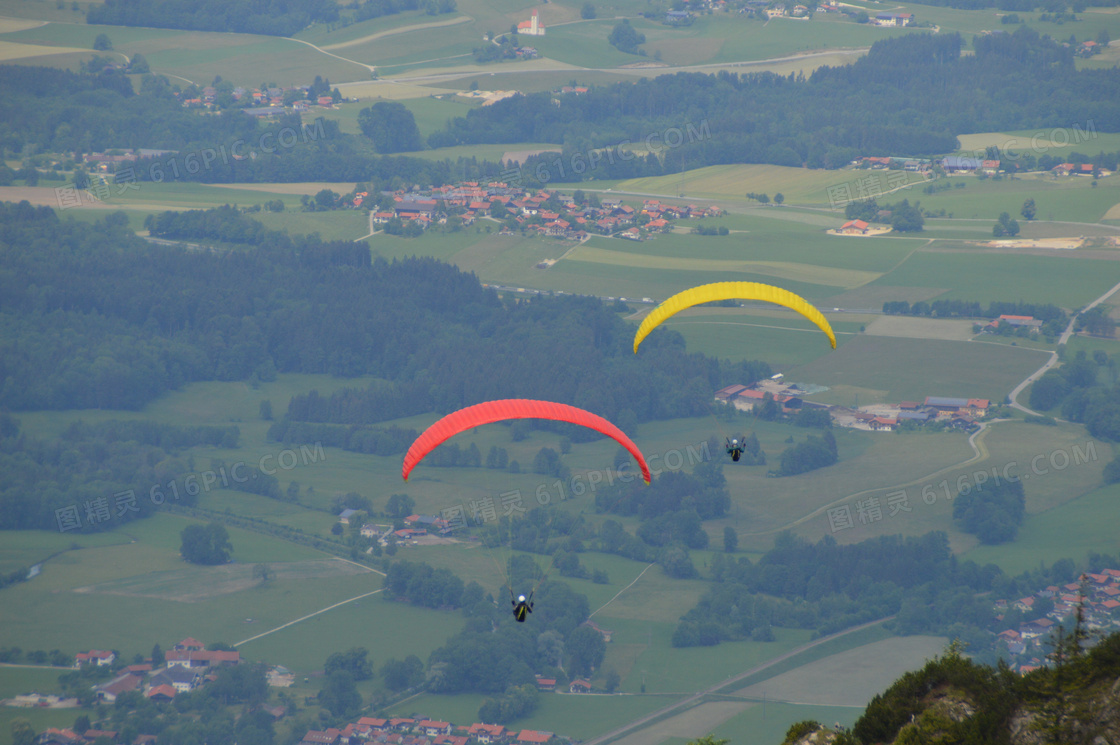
(1074, 701)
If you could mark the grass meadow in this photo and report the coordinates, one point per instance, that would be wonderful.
(1061, 279)
(797, 185)
(121, 596)
(25, 548)
(885, 369)
(1072, 530)
(1071, 198)
(784, 341)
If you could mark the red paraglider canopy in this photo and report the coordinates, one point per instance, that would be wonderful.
(513, 408)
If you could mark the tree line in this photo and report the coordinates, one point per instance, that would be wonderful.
(94, 472)
(926, 89)
(269, 17)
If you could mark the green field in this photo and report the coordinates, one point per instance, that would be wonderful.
(797, 185)
(23, 548)
(121, 597)
(336, 225)
(897, 369)
(1071, 531)
(1070, 198)
(976, 275)
(783, 341)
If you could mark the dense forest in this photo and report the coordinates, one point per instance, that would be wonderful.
(88, 322)
(270, 17)
(923, 89)
(59, 111)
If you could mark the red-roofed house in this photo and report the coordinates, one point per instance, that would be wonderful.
(162, 693)
(375, 723)
(486, 733)
(532, 736)
(883, 423)
(450, 740)
(978, 406)
(546, 684)
(401, 724)
(202, 658)
(100, 656)
(854, 227)
(432, 729)
(579, 685)
(190, 643)
(62, 736)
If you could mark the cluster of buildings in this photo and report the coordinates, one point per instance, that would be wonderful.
(106, 163)
(418, 731)
(781, 10)
(966, 164)
(415, 527)
(258, 102)
(1079, 169)
(186, 666)
(1027, 645)
(472, 200)
(959, 413)
(880, 162)
(1032, 324)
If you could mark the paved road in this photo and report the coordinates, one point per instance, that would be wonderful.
(1054, 355)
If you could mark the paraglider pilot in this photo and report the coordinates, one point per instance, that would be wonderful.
(522, 607)
(734, 449)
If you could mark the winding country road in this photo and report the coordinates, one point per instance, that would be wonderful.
(1054, 355)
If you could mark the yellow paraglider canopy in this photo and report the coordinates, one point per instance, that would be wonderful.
(729, 291)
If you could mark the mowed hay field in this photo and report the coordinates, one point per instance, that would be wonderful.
(1062, 279)
(779, 270)
(1070, 198)
(884, 369)
(77, 601)
(853, 677)
(797, 185)
(784, 341)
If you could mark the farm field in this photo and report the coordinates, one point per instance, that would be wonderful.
(784, 341)
(885, 369)
(127, 597)
(798, 185)
(1044, 140)
(865, 672)
(1071, 198)
(25, 548)
(1061, 279)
